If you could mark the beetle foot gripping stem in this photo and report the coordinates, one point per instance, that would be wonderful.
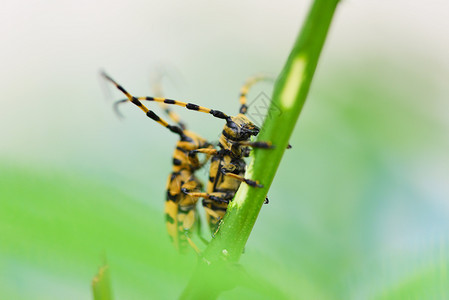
(249, 182)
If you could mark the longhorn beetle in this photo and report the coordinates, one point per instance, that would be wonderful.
(180, 208)
(227, 167)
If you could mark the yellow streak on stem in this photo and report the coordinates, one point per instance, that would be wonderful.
(294, 80)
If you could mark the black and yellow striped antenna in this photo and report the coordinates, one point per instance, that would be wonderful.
(165, 101)
(156, 86)
(247, 86)
(136, 101)
(190, 106)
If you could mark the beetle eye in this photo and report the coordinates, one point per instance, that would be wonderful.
(231, 124)
(254, 131)
(251, 129)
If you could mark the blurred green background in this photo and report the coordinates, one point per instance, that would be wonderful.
(359, 207)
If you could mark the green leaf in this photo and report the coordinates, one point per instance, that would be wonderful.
(101, 285)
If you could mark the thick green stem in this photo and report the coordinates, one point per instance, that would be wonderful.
(289, 95)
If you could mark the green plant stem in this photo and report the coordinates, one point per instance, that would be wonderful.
(289, 95)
